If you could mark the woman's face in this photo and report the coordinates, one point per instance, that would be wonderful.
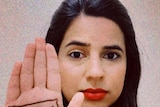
(92, 60)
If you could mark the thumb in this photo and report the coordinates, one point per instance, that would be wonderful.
(77, 100)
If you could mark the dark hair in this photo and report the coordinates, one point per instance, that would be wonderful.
(115, 11)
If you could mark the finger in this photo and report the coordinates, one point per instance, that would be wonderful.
(53, 76)
(40, 63)
(77, 100)
(13, 90)
(26, 77)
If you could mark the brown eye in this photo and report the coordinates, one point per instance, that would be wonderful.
(111, 56)
(76, 55)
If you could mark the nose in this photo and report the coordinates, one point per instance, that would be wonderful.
(94, 70)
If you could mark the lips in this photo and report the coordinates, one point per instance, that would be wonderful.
(94, 94)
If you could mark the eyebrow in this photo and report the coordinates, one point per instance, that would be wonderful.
(113, 47)
(110, 47)
(77, 43)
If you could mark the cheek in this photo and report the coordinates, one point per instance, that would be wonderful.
(117, 78)
(70, 78)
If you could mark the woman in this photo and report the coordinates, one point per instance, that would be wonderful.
(96, 63)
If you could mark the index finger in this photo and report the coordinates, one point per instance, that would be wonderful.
(77, 100)
(53, 72)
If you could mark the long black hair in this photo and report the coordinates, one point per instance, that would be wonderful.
(115, 11)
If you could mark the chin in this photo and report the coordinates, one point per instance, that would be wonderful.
(87, 103)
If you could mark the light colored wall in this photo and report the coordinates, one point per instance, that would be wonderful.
(22, 20)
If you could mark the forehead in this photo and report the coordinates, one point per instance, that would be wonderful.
(94, 29)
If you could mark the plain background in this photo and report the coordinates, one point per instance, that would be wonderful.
(23, 20)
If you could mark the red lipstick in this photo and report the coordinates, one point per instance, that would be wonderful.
(94, 94)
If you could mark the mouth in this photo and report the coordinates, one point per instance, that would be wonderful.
(94, 94)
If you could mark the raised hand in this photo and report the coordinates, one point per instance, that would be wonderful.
(36, 81)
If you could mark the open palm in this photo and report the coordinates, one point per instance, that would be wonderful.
(36, 81)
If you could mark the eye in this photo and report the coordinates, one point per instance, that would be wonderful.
(76, 55)
(111, 56)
